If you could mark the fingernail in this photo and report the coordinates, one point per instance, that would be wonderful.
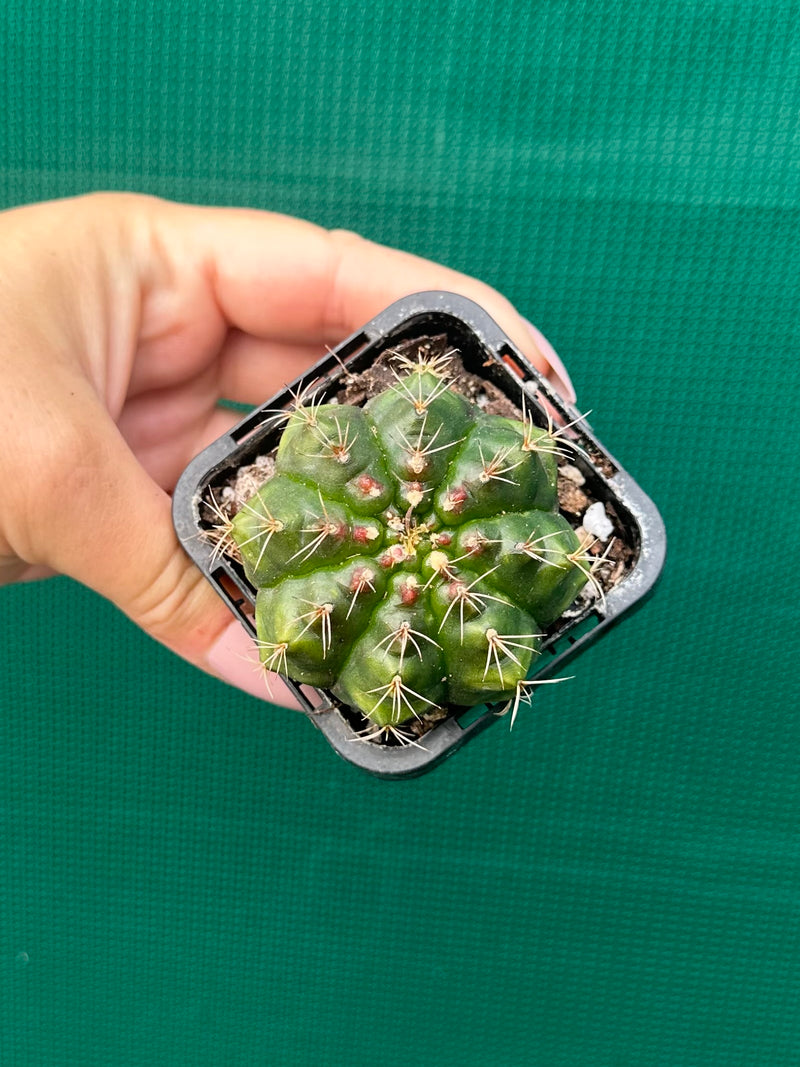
(234, 659)
(557, 375)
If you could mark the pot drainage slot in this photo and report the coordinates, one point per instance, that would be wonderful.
(576, 634)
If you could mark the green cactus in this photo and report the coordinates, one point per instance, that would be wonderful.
(408, 554)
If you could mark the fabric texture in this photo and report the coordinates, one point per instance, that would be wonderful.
(188, 876)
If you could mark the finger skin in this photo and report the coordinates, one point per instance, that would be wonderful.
(322, 285)
(252, 369)
(286, 280)
(125, 318)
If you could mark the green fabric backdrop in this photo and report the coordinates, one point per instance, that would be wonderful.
(188, 876)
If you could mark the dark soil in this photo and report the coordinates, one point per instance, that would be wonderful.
(358, 388)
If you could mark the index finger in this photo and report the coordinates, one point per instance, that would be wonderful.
(286, 280)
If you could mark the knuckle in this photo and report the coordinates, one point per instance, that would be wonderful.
(176, 606)
(346, 237)
(69, 469)
(73, 464)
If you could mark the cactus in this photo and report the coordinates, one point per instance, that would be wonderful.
(408, 554)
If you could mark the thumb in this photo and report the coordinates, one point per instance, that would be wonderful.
(98, 517)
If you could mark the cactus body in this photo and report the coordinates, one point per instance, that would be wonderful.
(407, 554)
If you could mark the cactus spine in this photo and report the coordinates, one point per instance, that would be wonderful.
(408, 554)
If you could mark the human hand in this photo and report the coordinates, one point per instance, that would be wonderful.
(124, 321)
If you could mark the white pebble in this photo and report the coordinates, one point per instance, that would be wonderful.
(572, 474)
(597, 523)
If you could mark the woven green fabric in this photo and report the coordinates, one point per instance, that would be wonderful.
(188, 876)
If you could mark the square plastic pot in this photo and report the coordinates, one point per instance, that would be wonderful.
(485, 351)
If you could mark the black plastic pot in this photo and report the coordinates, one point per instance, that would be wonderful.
(485, 351)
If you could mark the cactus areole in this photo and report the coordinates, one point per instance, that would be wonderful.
(409, 554)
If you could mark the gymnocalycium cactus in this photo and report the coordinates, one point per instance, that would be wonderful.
(408, 554)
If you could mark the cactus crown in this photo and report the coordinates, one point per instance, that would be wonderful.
(408, 554)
